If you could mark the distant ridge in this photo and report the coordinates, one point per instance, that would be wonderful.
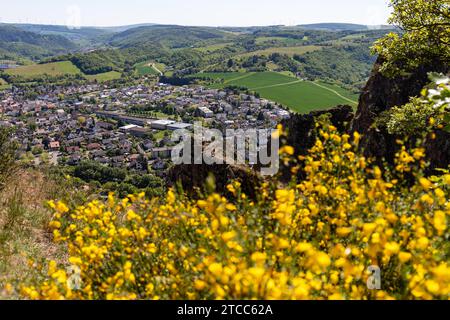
(344, 27)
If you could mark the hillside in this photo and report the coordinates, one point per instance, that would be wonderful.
(342, 26)
(305, 50)
(82, 36)
(169, 36)
(299, 95)
(15, 41)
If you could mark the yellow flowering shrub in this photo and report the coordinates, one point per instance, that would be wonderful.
(313, 239)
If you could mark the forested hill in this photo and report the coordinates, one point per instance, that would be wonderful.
(342, 27)
(170, 36)
(15, 41)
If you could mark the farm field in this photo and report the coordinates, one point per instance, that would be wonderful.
(149, 68)
(4, 85)
(55, 69)
(102, 77)
(290, 51)
(213, 47)
(51, 69)
(300, 96)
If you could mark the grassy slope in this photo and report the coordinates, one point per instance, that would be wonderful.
(24, 219)
(213, 47)
(283, 50)
(51, 69)
(303, 97)
(146, 68)
(58, 69)
(300, 96)
(3, 84)
(102, 77)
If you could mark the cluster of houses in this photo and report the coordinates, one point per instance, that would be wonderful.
(95, 122)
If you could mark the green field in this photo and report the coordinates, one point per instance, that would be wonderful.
(102, 77)
(51, 69)
(149, 68)
(280, 40)
(301, 96)
(4, 85)
(213, 47)
(56, 69)
(290, 51)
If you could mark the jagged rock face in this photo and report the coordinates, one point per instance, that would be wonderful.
(301, 134)
(300, 126)
(192, 178)
(382, 93)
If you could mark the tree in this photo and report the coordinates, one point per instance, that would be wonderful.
(424, 36)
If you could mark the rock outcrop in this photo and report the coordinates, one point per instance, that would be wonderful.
(382, 93)
(193, 177)
(300, 126)
(301, 134)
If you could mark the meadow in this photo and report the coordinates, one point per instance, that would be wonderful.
(213, 47)
(102, 77)
(269, 40)
(149, 68)
(51, 69)
(300, 96)
(3, 84)
(290, 51)
(55, 69)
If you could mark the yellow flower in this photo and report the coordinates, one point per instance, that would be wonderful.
(288, 150)
(259, 257)
(391, 248)
(432, 286)
(356, 138)
(199, 285)
(427, 199)
(303, 247)
(440, 221)
(55, 224)
(336, 296)
(75, 261)
(215, 269)
(404, 256)
(422, 243)
(323, 260)
(343, 231)
(447, 179)
(257, 272)
(227, 236)
(425, 183)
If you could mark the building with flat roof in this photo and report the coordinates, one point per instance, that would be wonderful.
(161, 124)
(139, 132)
(177, 126)
(205, 112)
(128, 127)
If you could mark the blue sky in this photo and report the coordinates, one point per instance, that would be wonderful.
(194, 12)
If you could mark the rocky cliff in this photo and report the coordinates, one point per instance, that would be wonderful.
(382, 93)
(193, 178)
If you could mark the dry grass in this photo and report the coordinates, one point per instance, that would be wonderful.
(24, 232)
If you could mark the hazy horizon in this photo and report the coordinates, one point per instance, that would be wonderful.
(232, 13)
